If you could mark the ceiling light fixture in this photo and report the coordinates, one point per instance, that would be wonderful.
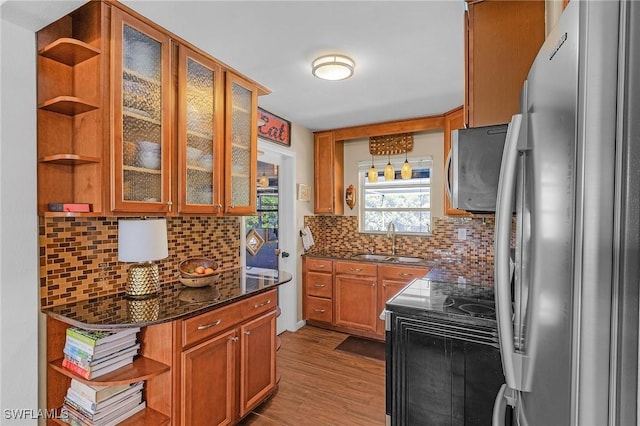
(333, 67)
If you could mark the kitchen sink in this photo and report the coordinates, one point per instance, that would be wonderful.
(388, 258)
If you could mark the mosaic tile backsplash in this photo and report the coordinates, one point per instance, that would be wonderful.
(79, 256)
(339, 234)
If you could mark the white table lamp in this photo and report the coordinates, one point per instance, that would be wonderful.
(142, 241)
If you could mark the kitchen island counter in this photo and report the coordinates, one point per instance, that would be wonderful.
(174, 301)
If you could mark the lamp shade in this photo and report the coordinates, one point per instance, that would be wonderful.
(142, 240)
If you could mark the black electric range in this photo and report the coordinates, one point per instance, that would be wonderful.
(441, 346)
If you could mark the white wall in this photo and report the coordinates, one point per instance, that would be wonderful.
(18, 226)
(302, 144)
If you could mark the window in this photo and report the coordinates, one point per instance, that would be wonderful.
(406, 202)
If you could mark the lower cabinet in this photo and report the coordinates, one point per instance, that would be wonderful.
(356, 295)
(225, 376)
(392, 279)
(209, 380)
(349, 296)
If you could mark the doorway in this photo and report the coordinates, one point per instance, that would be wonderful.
(273, 229)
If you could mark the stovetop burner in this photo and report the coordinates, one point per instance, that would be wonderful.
(477, 310)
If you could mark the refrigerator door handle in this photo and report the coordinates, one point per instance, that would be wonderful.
(514, 364)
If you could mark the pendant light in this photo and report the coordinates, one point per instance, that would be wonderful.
(406, 171)
(263, 181)
(389, 171)
(372, 176)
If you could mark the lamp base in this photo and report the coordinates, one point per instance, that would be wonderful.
(144, 279)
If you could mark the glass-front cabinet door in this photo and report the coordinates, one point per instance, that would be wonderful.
(200, 134)
(141, 95)
(241, 138)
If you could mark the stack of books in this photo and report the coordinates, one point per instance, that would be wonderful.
(87, 405)
(90, 354)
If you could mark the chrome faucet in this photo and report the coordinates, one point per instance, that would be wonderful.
(391, 233)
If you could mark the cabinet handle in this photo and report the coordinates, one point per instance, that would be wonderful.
(234, 339)
(355, 269)
(169, 203)
(262, 304)
(319, 285)
(319, 266)
(247, 333)
(205, 326)
(320, 311)
(404, 274)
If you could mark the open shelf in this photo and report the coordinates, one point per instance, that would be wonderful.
(148, 416)
(69, 159)
(69, 51)
(140, 369)
(67, 105)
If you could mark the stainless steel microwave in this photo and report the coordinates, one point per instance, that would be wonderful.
(473, 167)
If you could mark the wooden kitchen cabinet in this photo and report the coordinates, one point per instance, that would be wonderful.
(392, 279)
(200, 133)
(228, 361)
(502, 38)
(133, 119)
(356, 295)
(241, 149)
(328, 174)
(317, 299)
(153, 366)
(142, 128)
(73, 110)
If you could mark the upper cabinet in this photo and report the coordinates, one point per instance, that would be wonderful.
(142, 126)
(328, 174)
(241, 128)
(200, 133)
(502, 40)
(72, 110)
(132, 119)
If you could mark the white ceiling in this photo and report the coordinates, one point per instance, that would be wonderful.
(409, 54)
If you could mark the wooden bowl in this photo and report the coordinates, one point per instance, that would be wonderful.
(203, 281)
(188, 266)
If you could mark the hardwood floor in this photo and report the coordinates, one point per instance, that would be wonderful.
(320, 386)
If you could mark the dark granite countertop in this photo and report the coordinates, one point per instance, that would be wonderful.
(175, 301)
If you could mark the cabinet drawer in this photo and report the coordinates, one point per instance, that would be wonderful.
(319, 284)
(320, 265)
(319, 309)
(401, 273)
(259, 304)
(356, 268)
(208, 324)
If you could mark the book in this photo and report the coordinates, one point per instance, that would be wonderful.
(91, 373)
(87, 364)
(80, 350)
(97, 394)
(95, 338)
(77, 418)
(69, 207)
(95, 411)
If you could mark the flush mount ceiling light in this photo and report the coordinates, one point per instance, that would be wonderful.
(333, 67)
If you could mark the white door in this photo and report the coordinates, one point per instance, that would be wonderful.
(285, 162)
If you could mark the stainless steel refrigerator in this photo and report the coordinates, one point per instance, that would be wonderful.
(567, 304)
